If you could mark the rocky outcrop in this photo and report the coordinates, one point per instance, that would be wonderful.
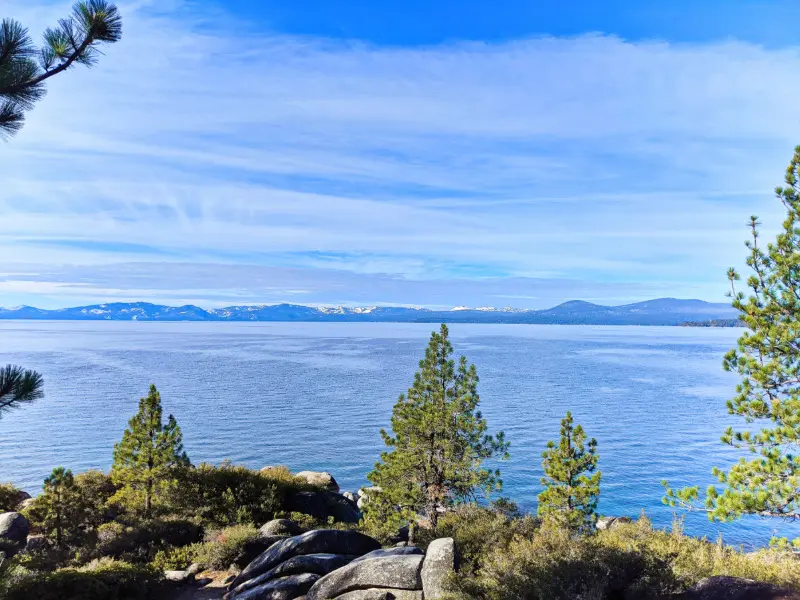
(323, 541)
(382, 594)
(441, 561)
(398, 551)
(14, 529)
(318, 564)
(604, 523)
(394, 572)
(363, 495)
(35, 543)
(320, 479)
(735, 588)
(254, 548)
(345, 565)
(26, 504)
(179, 577)
(281, 527)
(322, 505)
(284, 588)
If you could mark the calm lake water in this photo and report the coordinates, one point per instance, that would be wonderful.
(315, 395)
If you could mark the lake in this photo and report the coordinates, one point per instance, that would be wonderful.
(315, 395)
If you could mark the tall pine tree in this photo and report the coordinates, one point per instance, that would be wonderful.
(438, 443)
(149, 456)
(572, 484)
(59, 508)
(767, 358)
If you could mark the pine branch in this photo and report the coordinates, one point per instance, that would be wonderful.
(74, 41)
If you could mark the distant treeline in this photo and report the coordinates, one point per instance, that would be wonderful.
(714, 323)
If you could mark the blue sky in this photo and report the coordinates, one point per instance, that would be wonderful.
(423, 153)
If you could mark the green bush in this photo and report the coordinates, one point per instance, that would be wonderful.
(237, 544)
(10, 497)
(477, 531)
(691, 559)
(231, 494)
(140, 541)
(71, 510)
(176, 559)
(104, 580)
(630, 561)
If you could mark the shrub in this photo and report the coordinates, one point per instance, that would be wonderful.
(175, 559)
(691, 559)
(231, 494)
(140, 541)
(556, 564)
(71, 510)
(10, 497)
(96, 490)
(631, 561)
(105, 580)
(231, 545)
(477, 531)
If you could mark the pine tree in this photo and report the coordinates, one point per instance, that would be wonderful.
(24, 68)
(767, 358)
(572, 486)
(19, 386)
(150, 455)
(438, 443)
(59, 508)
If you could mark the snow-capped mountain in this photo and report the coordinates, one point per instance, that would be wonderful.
(663, 311)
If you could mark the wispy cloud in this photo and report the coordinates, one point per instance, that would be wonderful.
(535, 170)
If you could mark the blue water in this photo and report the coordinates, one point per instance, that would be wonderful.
(314, 396)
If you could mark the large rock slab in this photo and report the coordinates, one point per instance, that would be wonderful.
(604, 523)
(321, 541)
(26, 504)
(323, 504)
(320, 479)
(342, 509)
(285, 588)
(735, 588)
(318, 564)
(283, 527)
(398, 572)
(440, 562)
(255, 548)
(382, 594)
(397, 551)
(14, 529)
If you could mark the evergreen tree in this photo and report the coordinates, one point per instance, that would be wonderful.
(767, 358)
(150, 455)
(438, 443)
(19, 386)
(24, 68)
(59, 509)
(572, 486)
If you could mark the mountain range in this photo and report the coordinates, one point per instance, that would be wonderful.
(663, 311)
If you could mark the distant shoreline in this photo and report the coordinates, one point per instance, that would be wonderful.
(658, 312)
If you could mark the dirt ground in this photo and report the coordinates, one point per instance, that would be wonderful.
(212, 591)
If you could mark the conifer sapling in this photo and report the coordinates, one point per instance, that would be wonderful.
(572, 484)
(150, 455)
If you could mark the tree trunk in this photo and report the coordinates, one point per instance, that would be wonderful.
(147, 496)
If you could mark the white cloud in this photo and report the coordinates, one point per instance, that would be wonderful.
(608, 164)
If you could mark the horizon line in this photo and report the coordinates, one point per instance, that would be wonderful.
(318, 306)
